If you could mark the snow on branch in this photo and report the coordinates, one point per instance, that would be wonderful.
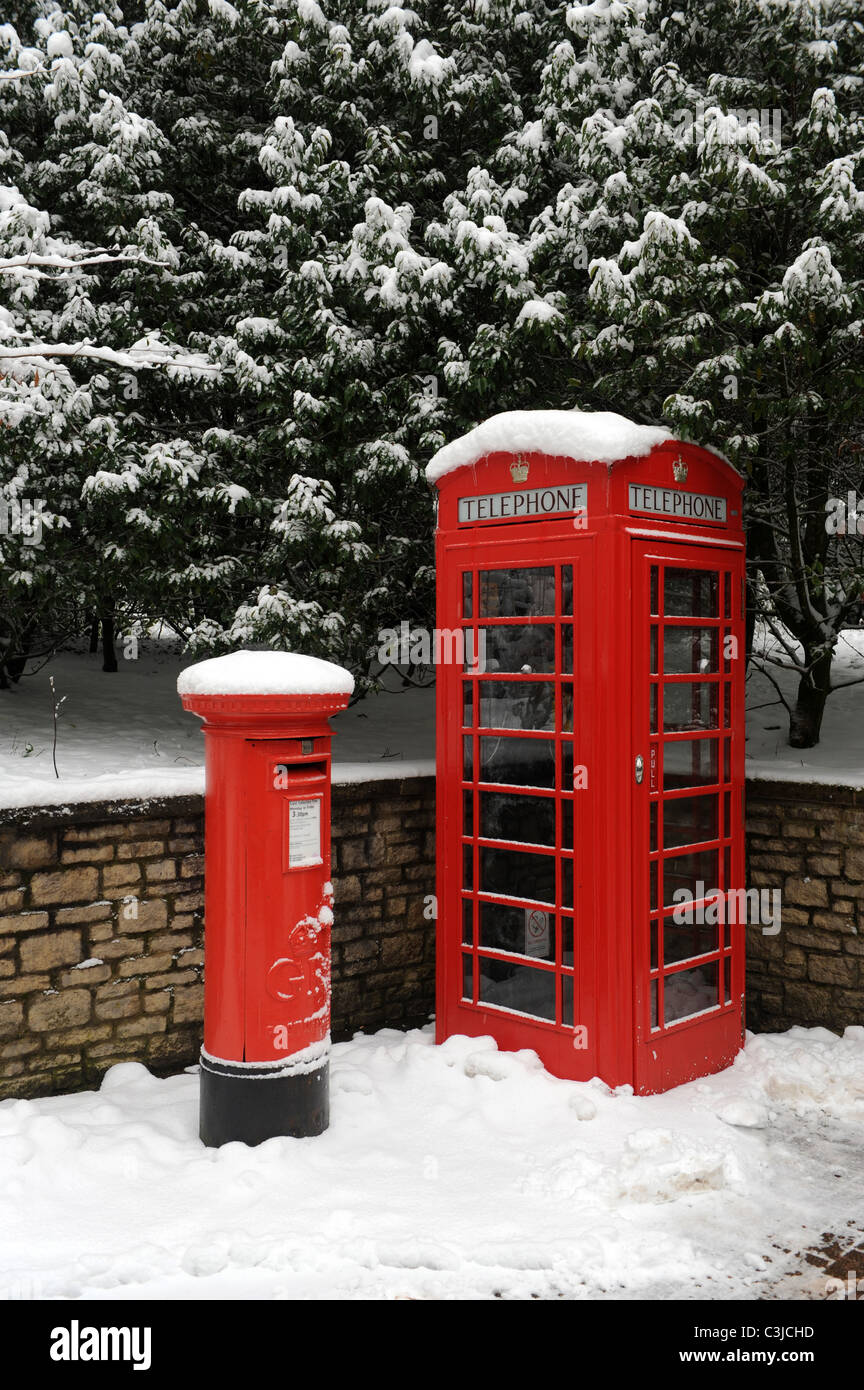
(16, 74)
(134, 357)
(36, 261)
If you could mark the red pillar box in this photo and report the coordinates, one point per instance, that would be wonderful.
(268, 899)
(591, 746)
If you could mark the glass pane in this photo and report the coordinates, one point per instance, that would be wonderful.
(567, 1000)
(474, 650)
(690, 763)
(567, 708)
(524, 931)
(690, 992)
(566, 824)
(518, 762)
(512, 874)
(467, 703)
(654, 1023)
(652, 843)
(467, 813)
(520, 593)
(653, 652)
(467, 977)
(566, 648)
(697, 873)
(467, 594)
(654, 928)
(516, 648)
(653, 883)
(468, 921)
(727, 980)
(467, 867)
(566, 765)
(727, 595)
(530, 819)
(690, 593)
(683, 940)
(519, 988)
(689, 649)
(517, 705)
(654, 574)
(727, 705)
(566, 588)
(566, 882)
(689, 820)
(690, 705)
(467, 759)
(653, 710)
(566, 940)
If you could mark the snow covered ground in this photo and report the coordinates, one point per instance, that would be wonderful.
(457, 1172)
(838, 758)
(127, 735)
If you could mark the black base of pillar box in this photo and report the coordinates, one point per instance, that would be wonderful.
(248, 1105)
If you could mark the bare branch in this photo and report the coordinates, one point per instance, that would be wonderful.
(769, 677)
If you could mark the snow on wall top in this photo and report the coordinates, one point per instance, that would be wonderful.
(600, 436)
(265, 673)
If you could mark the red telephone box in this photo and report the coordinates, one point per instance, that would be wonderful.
(590, 729)
(268, 896)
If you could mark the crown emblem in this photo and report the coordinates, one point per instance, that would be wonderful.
(519, 470)
(679, 470)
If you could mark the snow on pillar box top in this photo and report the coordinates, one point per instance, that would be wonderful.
(268, 896)
(266, 677)
(590, 745)
(273, 694)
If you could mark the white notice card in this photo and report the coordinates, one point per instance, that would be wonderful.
(536, 932)
(304, 833)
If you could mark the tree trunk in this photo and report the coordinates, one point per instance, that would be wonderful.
(109, 655)
(814, 688)
(16, 663)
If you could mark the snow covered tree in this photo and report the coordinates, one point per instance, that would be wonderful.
(375, 226)
(733, 301)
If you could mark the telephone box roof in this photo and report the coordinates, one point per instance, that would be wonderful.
(599, 436)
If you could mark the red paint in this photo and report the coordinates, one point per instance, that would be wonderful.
(267, 942)
(598, 891)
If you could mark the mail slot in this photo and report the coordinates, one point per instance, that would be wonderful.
(268, 895)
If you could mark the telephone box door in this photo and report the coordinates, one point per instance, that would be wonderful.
(515, 729)
(687, 789)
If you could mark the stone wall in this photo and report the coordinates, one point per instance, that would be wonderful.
(101, 924)
(809, 842)
(101, 930)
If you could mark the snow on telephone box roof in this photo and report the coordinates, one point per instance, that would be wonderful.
(598, 436)
(265, 673)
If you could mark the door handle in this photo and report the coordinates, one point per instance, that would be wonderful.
(639, 767)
